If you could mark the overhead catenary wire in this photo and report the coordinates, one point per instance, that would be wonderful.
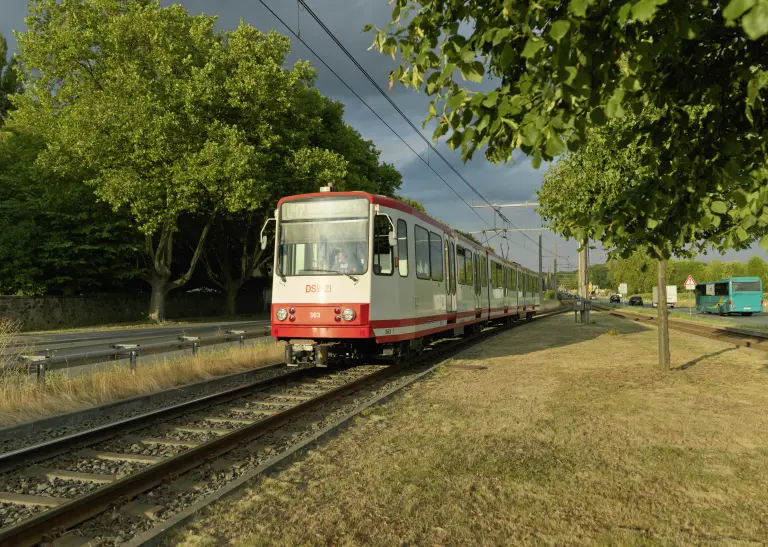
(319, 58)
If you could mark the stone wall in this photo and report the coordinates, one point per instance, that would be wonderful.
(53, 312)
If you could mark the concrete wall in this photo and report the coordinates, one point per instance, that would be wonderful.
(52, 312)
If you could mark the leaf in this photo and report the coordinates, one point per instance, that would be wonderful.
(764, 243)
(555, 145)
(755, 22)
(456, 100)
(644, 10)
(501, 35)
(737, 8)
(558, 29)
(651, 223)
(742, 234)
(719, 207)
(532, 46)
(536, 160)
(578, 7)
(623, 14)
(367, 28)
(473, 72)
(613, 109)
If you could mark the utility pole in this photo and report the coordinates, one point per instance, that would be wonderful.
(663, 316)
(541, 280)
(556, 285)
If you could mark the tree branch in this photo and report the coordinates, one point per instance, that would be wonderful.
(182, 280)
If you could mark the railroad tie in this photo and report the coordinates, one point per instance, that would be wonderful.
(155, 441)
(227, 419)
(142, 510)
(248, 410)
(71, 540)
(30, 501)
(200, 430)
(119, 457)
(66, 475)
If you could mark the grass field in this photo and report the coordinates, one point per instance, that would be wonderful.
(22, 398)
(569, 436)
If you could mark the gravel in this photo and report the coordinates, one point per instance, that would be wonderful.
(11, 514)
(20, 440)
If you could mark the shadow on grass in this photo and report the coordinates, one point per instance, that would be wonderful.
(557, 332)
(689, 364)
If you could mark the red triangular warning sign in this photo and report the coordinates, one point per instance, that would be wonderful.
(690, 281)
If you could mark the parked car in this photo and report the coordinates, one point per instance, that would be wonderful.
(636, 301)
(615, 299)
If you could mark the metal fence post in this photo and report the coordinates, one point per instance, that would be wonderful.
(133, 357)
(41, 373)
(194, 347)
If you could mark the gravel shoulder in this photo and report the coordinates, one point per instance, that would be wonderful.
(569, 435)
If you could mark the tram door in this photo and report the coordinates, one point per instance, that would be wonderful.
(450, 279)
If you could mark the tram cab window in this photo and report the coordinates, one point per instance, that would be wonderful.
(422, 252)
(402, 248)
(382, 252)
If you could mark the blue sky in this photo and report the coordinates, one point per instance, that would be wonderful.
(509, 183)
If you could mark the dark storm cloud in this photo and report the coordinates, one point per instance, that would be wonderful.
(514, 182)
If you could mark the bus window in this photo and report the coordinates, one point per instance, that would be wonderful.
(746, 286)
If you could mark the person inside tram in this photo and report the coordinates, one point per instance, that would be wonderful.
(344, 264)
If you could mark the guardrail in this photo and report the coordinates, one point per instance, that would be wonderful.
(39, 364)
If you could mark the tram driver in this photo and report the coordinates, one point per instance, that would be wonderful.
(343, 264)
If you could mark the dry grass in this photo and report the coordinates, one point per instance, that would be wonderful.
(570, 436)
(22, 398)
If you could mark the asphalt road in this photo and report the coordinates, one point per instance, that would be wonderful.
(70, 343)
(759, 319)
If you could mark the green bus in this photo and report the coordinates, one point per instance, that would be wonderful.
(742, 295)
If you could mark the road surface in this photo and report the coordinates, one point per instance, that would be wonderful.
(757, 320)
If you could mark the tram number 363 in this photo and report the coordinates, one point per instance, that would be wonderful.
(314, 315)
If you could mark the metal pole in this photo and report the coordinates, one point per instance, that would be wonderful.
(132, 356)
(583, 280)
(556, 285)
(541, 279)
(41, 373)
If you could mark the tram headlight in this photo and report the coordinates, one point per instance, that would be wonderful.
(348, 314)
(281, 314)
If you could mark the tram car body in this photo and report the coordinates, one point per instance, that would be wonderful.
(358, 274)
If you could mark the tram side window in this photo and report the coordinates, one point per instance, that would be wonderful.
(436, 256)
(484, 270)
(422, 252)
(470, 269)
(461, 265)
(382, 252)
(402, 248)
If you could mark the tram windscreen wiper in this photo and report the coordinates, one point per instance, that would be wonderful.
(352, 277)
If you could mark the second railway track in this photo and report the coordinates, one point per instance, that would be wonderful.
(126, 477)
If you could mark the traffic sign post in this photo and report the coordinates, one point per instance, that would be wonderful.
(690, 284)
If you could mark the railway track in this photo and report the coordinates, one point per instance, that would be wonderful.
(738, 337)
(130, 475)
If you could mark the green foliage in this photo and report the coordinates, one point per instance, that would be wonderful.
(55, 237)
(680, 86)
(9, 82)
(413, 203)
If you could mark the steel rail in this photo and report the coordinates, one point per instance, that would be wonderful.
(748, 339)
(77, 510)
(9, 461)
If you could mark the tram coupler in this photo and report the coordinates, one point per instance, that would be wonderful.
(289, 356)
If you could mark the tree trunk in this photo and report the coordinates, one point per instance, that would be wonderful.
(157, 300)
(230, 292)
(663, 316)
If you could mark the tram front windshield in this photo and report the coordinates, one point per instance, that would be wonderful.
(323, 236)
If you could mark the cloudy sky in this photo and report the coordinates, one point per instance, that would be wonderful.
(512, 183)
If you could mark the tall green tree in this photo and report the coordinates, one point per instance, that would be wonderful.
(700, 67)
(168, 116)
(9, 82)
(55, 236)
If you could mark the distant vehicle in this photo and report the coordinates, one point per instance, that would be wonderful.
(615, 299)
(742, 295)
(635, 301)
(671, 296)
(593, 296)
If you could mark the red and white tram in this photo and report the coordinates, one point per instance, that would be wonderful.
(357, 274)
